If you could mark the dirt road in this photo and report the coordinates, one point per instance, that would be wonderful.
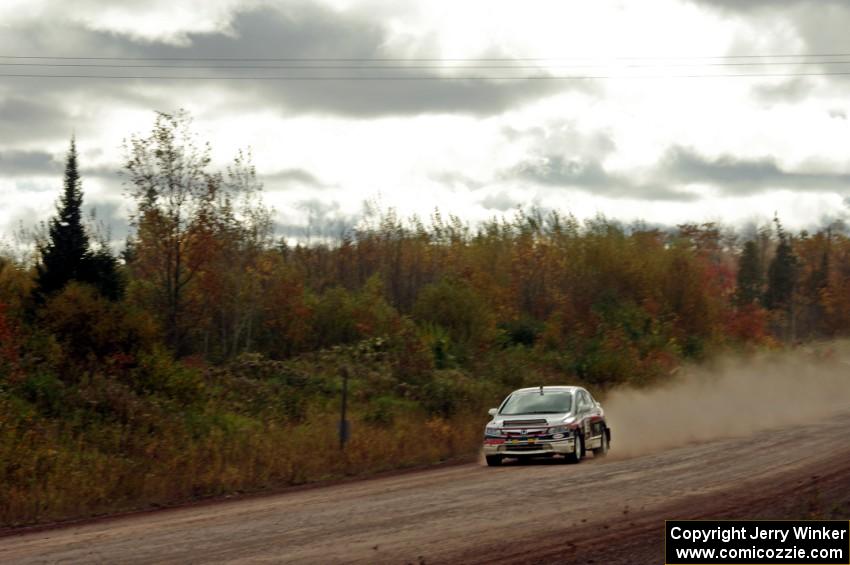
(605, 510)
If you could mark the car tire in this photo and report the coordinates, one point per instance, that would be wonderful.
(575, 456)
(493, 460)
(602, 450)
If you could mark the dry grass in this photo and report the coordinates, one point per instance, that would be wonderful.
(52, 475)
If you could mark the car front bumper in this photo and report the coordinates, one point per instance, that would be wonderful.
(539, 447)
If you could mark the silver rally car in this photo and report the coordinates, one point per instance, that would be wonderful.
(546, 421)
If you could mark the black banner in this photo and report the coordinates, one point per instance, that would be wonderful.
(757, 542)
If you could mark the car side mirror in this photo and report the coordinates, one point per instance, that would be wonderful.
(493, 411)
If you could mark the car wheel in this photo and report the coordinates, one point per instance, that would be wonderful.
(493, 460)
(576, 455)
(602, 450)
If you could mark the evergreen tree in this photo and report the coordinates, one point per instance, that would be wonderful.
(67, 247)
(66, 255)
(782, 274)
(101, 271)
(819, 279)
(750, 281)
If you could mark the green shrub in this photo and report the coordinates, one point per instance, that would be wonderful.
(458, 308)
(45, 391)
(383, 410)
(452, 392)
(93, 331)
(158, 373)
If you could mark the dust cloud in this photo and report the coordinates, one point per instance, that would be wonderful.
(731, 397)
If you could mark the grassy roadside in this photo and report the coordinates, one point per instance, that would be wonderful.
(105, 445)
(72, 485)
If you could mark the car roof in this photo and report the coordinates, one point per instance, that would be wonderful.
(551, 388)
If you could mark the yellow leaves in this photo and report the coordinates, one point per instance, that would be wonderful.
(438, 429)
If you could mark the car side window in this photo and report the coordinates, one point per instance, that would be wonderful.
(583, 404)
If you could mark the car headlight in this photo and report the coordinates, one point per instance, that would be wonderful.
(561, 430)
(493, 431)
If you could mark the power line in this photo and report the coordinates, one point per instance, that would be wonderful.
(427, 59)
(415, 67)
(425, 78)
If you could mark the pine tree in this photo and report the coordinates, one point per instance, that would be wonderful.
(66, 255)
(101, 271)
(750, 281)
(819, 278)
(66, 250)
(782, 274)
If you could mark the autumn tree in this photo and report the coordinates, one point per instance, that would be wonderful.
(456, 316)
(231, 237)
(167, 176)
(200, 239)
(814, 274)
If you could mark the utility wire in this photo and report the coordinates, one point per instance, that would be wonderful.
(429, 59)
(696, 67)
(425, 78)
(416, 67)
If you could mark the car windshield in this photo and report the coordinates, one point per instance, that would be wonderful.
(557, 402)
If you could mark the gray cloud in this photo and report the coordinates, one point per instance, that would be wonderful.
(15, 162)
(562, 156)
(499, 201)
(786, 92)
(296, 176)
(315, 32)
(108, 219)
(678, 169)
(325, 221)
(294, 32)
(46, 112)
(562, 136)
(24, 185)
(823, 26)
(589, 175)
(744, 176)
(558, 155)
(32, 116)
(747, 6)
(457, 179)
(820, 24)
(558, 170)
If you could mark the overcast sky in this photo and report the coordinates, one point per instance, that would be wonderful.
(645, 143)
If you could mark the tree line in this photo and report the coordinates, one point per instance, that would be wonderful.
(203, 276)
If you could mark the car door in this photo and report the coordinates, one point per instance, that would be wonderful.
(584, 407)
(595, 420)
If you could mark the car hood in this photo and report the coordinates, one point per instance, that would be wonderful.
(531, 421)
